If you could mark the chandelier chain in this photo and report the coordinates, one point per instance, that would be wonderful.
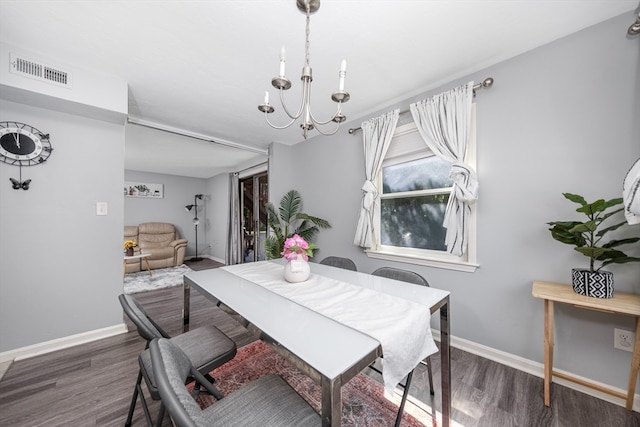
(307, 44)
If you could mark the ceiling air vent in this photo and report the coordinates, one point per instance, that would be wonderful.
(40, 71)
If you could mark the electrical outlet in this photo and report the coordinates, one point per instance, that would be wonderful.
(623, 340)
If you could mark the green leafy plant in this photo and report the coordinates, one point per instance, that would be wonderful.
(587, 236)
(289, 220)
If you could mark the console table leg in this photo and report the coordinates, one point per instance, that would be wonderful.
(635, 366)
(548, 350)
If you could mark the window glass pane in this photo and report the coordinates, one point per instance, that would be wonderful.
(414, 222)
(422, 174)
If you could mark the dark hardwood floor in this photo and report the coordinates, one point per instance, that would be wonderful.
(203, 264)
(92, 384)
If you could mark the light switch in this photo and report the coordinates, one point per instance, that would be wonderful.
(101, 208)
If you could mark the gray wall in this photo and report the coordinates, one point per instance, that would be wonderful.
(60, 263)
(217, 204)
(178, 192)
(281, 175)
(561, 118)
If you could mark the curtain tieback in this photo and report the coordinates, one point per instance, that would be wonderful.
(465, 182)
(370, 194)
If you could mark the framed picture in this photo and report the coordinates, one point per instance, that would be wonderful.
(141, 189)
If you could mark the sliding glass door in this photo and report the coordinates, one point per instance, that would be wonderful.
(253, 199)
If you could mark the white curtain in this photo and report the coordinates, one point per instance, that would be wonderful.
(376, 136)
(234, 249)
(444, 122)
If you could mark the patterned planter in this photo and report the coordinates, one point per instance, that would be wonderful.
(598, 284)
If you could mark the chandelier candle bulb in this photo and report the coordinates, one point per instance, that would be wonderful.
(342, 74)
(307, 119)
(282, 61)
(266, 97)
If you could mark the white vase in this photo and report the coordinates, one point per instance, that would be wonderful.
(297, 270)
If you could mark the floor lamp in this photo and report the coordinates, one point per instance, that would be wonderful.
(196, 221)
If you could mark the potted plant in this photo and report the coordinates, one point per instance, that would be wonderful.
(587, 237)
(128, 247)
(289, 220)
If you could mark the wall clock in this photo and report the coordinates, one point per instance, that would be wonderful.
(23, 145)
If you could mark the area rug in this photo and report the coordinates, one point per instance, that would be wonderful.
(160, 279)
(364, 403)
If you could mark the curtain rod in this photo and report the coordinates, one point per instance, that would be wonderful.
(487, 83)
(266, 164)
(189, 134)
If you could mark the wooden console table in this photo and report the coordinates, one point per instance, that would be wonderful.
(621, 303)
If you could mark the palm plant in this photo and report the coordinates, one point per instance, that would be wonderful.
(289, 220)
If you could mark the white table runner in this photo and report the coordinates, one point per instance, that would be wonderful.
(402, 327)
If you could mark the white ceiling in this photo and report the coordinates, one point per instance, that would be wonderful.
(203, 66)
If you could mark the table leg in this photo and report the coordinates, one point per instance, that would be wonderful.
(635, 366)
(146, 261)
(331, 402)
(548, 350)
(186, 305)
(445, 363)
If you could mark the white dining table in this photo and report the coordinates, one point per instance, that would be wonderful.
(327, 350)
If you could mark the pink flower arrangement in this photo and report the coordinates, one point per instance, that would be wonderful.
(296, 245)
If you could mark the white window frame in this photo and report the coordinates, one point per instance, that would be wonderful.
(431, 258)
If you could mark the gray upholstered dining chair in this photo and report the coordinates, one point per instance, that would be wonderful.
(415, 278)
(206, 347)
(267, 401)
(340, 262)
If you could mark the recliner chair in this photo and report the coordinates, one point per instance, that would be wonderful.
(161, 240)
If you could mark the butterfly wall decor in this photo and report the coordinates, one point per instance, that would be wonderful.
(18, 185)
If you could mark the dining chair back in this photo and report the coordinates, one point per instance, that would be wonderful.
(340, 262)
(206, 347)
(147, 327)
(416, 279)
(267, 401)
(402, 275)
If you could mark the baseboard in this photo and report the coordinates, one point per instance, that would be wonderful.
(537, 369)
(61, 343)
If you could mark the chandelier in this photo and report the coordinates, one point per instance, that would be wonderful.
(309, 122)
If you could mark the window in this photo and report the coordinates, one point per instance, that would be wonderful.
(415, 188)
